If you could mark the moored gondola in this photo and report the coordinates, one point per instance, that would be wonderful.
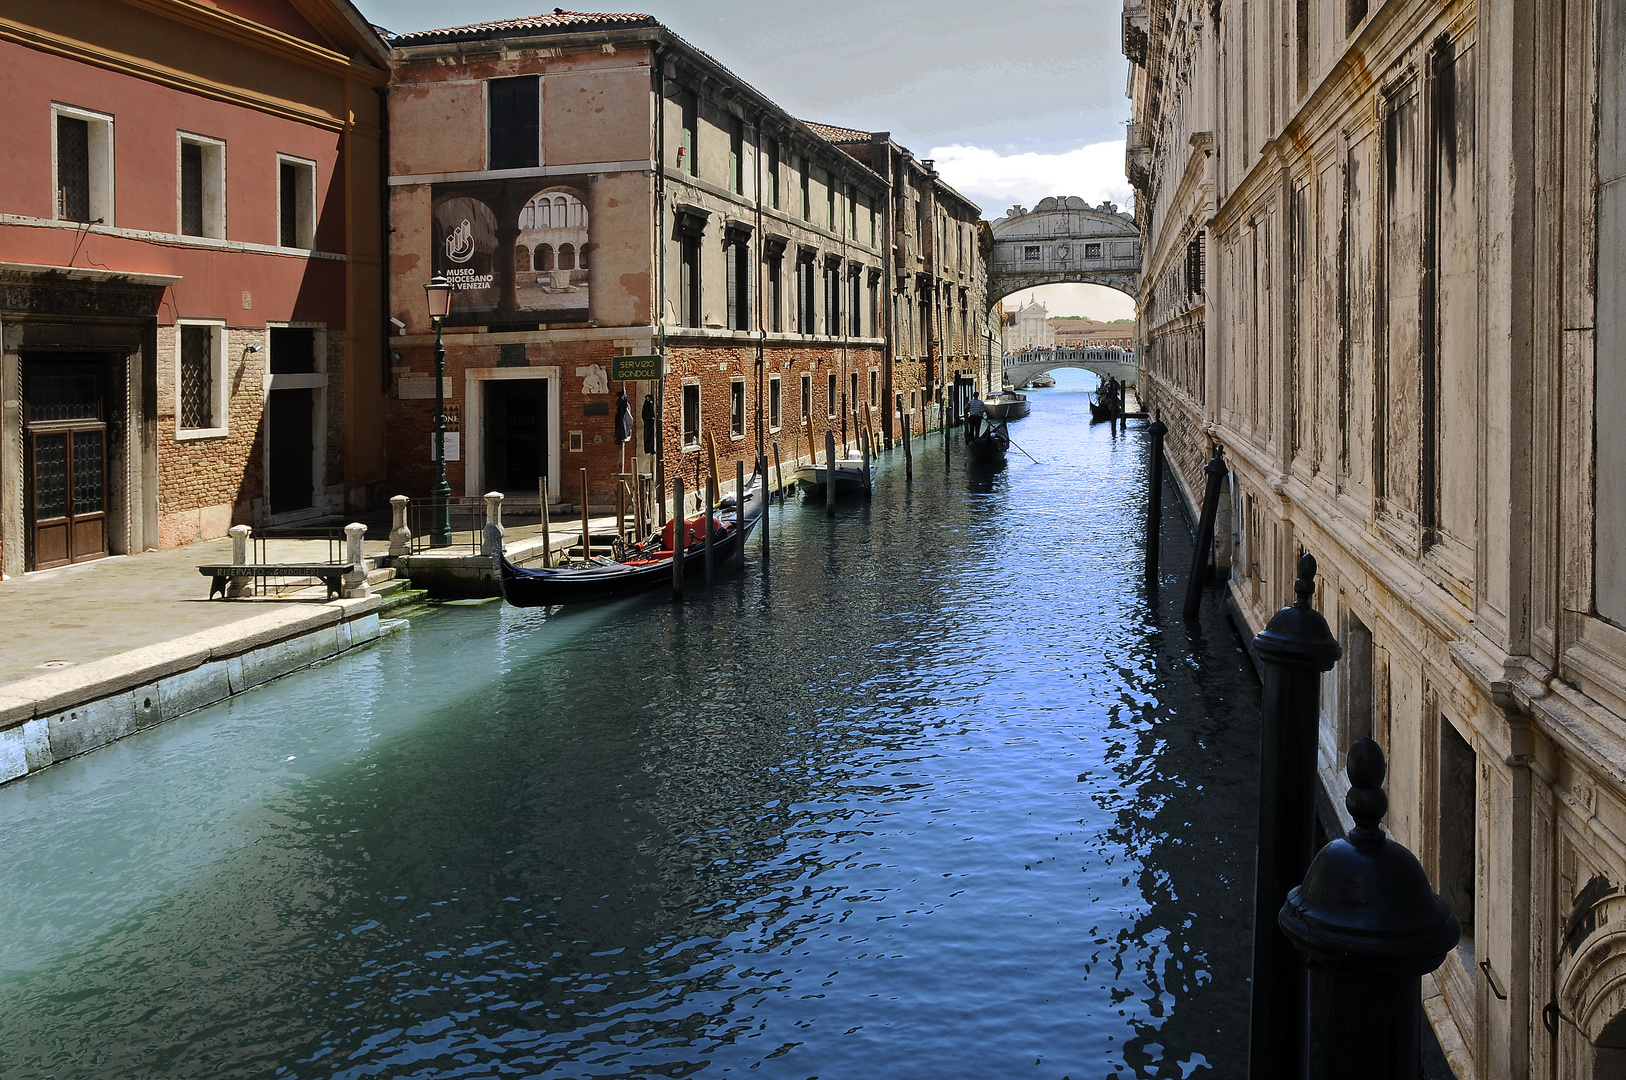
(645, 567)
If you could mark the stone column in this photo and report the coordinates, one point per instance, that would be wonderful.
(239, 586)
(355, 582)
(400, 531)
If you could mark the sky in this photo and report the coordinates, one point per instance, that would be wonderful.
(1014, 101)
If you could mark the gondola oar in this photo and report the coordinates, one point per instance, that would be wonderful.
(1012, 441)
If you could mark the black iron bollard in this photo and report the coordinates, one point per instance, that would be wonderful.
(1215, 470)
(1294, 651)
(1369, 928)
(1154, 496)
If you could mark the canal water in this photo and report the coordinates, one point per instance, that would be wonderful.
(942, 792)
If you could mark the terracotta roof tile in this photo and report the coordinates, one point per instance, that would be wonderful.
(558, 19)
(837, 134)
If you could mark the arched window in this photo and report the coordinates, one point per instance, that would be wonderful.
(567, 257)
(544, 256)
(522, 258)
(581, 258)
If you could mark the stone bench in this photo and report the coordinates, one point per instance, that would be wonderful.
(330, 574)
(347, 578)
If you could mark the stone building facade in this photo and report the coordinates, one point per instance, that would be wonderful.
(595, 187)
(1385, 253)
(1027, 326)
(190, 317)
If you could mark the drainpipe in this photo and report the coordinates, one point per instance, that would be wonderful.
(659, 68)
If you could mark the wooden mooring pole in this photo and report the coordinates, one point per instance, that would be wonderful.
(1154, 496)
(711, 503)
(587, 537)
(908, 442)
(680, 539)
(739, 501)
(779, 472)
(830, 473)
(762, 471)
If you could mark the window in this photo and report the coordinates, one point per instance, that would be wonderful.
(514, 123)
(1354, 12)
(874, 388)
(773, 175)
(1355, 675)
(875, 307)
(855, 309)
(776, 320)
(832, 300)
(200, 380)
(689, 282)
(807, 398)
(736, 156)
(807, 196)
(296, 202)
(202, 200)
(736, 409)
(830, 200)
(1030, 252)
(84, 166)
(831, 393)
(804, 294)
(874, 239)
(852, 397)
(687, 110)
(852, 214)
(738, 254)
(1459, 770)
(775, 416)
(691, 415)
(1092, 251)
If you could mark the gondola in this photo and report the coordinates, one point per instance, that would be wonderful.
(989, 447)
(1100, 413)
(646, 567)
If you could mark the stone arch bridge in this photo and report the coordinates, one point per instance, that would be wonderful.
(1062, 240)
(1103, 361)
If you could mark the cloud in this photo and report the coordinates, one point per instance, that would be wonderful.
(997, 181)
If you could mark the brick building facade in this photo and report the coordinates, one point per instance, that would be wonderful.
(594, 187)
(189, 240)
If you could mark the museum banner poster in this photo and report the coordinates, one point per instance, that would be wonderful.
(515, 251)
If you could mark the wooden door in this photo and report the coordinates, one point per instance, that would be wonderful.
(67, 465)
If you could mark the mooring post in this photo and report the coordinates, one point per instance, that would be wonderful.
(739, 502)
(863, 442)
(767, 500)
(1294, 650)
(355, 582)
(1368, 927)
(778, 472)
(711, 504)
(1215, 470)
(621, 505)
(493, 526)
(400, 531)
(843, 423)
(587, 539)
(830, 473)
(680, 538)
(908, 443)
(1154, 496)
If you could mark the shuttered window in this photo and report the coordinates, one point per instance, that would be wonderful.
(514, 128)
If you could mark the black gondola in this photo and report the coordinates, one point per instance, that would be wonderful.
(1100, 413)
(989, 447)
(607, 579)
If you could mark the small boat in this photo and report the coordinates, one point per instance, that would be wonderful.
(1005, 405)
(1102, 412)
(646, 566)
(1041, 382)
(850, 479)
(989, 447)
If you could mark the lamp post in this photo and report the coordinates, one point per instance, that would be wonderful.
(439, 293)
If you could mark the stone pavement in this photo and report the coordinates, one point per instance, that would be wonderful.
(72, 615)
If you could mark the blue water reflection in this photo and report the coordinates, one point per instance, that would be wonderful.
(941, 794)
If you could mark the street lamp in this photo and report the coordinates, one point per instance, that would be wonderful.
(439, 293)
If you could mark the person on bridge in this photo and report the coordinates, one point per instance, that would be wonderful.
(974, 412)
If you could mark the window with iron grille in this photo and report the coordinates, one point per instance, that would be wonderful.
(736, 408)
(513, 128)
(1092, 251)
(775, 415)
(1030, 252)
(84, 165)
(202, 182)
(196, 386)
(73, 168)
